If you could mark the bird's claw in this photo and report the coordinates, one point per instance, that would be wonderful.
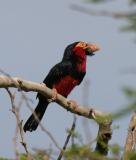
(54, 97)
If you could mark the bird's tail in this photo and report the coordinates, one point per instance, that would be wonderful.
(34, 120)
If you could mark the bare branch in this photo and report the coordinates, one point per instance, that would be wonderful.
(28, 86)
(68, 138)
(131, 138)
(15, 110)
(15, 143)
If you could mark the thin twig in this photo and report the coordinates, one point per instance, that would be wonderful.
(15, 111)
(40, 124)
(22, 136)
(68, 138)
(15, 138)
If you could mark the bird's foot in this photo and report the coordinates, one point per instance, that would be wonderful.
(73, 104)
(54, 95)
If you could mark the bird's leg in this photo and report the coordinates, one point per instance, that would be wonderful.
(73, 104)
(54, 97)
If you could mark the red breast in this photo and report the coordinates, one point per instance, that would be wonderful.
(66, 85)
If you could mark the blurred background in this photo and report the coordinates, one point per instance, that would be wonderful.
(33, 36)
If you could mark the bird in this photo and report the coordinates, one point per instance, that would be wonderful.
(63, 78)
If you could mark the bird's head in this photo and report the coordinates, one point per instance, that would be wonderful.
(80, 49)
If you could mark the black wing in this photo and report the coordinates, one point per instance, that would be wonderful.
(59, 71)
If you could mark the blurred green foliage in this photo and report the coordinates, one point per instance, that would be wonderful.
(132, 1)
(131, 25)
(97, 1)
(130, 93)
(131, 19)
(82, 152)
(115, 150)
(22, 157)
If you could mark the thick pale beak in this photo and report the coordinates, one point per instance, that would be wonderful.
(91, 48)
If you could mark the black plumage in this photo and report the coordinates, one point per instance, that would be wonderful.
(64, 76)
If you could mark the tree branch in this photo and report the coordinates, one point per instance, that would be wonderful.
(131, 138)
(103, 137)
(28, 86)
(68, 138)
(15, 111)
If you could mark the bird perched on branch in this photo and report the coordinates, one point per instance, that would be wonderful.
(63, 77)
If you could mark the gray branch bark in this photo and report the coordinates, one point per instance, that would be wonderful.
(28, 86)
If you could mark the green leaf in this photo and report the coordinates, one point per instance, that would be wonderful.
(115, 149)
(23, 157)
